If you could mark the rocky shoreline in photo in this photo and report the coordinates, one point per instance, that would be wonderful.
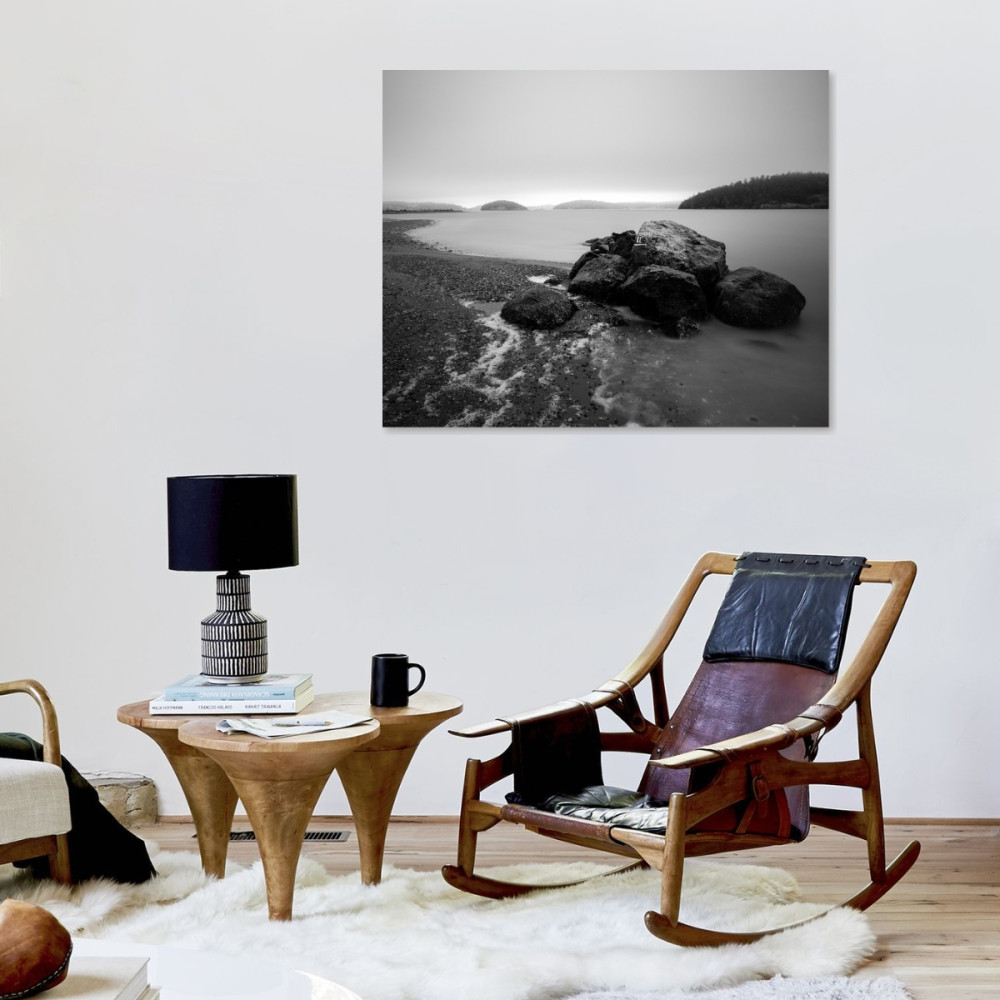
(477, 341)
(667, 273)
(441, 366)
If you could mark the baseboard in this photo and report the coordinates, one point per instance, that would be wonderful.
(941, 821)
(453, 820)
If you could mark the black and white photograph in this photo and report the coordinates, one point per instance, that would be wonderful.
(620, 248)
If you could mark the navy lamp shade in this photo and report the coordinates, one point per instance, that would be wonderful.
(230, 524)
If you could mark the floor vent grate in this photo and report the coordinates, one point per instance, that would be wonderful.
(323, 835)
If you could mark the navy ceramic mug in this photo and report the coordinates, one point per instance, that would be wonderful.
(391, 680)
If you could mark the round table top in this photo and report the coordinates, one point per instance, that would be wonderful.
(407, 724)
(402, 727)
(421, 705)
(200, 731)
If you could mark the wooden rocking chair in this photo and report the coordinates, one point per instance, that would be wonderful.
(730, 768)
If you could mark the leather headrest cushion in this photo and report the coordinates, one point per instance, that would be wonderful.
(786, 609)
(34, 949)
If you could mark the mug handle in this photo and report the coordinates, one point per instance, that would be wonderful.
(423, 677)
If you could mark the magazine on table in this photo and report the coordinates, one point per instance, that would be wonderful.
(292, 725)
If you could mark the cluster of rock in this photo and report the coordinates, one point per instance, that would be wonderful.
(666, 272)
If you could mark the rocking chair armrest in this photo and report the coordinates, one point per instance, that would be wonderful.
(50, 727)
(482, 729)
(776, 737)
(597, 698)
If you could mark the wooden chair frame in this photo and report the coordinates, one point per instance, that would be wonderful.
(723, 773)
(56, 846)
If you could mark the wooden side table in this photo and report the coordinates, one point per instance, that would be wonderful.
(278, 781)
(372, 776)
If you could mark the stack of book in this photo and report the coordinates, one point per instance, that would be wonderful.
(96, 978)
(276, 694)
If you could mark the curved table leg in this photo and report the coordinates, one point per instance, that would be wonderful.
(279, 812)
(279, 794)
(372, 774)
(210, 796)
(371, 779)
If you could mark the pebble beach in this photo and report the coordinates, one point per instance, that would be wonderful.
(447, 358)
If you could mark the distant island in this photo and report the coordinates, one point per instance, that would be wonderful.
(792, 190)
(419, 206)
(621, 205)
(502, 206)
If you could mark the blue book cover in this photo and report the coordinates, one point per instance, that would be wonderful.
(195, 687)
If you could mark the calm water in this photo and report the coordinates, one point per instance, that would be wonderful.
(724, 376)
(792, 243)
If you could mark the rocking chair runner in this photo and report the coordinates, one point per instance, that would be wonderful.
(730, 769)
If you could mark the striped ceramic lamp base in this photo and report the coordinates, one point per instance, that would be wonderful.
(234, 639)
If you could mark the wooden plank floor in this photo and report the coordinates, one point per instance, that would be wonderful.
(938, 930)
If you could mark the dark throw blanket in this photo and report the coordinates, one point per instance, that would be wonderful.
(99, 846)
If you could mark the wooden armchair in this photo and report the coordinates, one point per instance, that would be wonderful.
(731, 767)
(34, 798)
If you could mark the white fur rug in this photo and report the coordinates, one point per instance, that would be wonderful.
(415, 938)
(779, 988)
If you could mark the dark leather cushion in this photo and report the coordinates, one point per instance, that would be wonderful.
(786, 608)
(618, 807)
(613, 806)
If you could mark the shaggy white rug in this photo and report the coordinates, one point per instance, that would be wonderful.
(415, 938)
(779, 988)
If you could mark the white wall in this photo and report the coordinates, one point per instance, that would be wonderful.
(189, 283)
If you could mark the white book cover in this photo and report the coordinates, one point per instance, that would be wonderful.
(104, 978)
(168, 706)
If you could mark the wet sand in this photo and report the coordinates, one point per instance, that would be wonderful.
(447, 360)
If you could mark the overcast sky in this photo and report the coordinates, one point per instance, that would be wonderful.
(545, 136)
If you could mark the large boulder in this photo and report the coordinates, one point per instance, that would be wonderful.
(756, 299)
(622, 243)
(619, 243)
(587, 316)
(580, 261)
(538, 307)
(669, 244)
(664, 294)
(600, 278)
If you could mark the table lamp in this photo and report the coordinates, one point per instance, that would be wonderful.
(232, 523)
